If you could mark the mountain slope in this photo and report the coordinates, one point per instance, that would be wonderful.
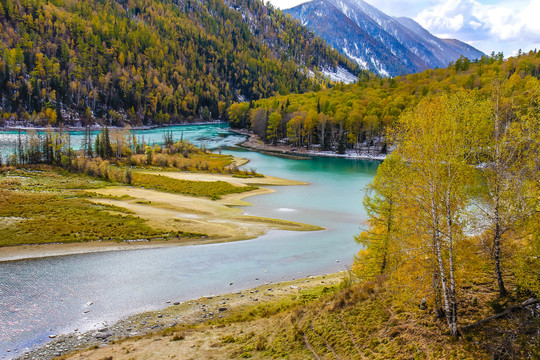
(386, 45)
(150, 61)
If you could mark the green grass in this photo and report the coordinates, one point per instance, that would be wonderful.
(49, 179)
(42, 204)
(34, 218)
(270, 308)
(210, 189)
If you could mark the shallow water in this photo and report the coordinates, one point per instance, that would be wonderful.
(46, 296)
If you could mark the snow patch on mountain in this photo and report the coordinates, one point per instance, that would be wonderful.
(386, 45)
(361, 62)
(340, 75)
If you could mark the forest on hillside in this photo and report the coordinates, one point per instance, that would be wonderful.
(145, 62)
(358, 116)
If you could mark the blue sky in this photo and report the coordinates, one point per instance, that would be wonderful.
(488, 25)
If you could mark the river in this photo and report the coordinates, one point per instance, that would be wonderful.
(40, 297)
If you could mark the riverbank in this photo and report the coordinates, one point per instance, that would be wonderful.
(147, 335)
(253, 142)
(219, 220)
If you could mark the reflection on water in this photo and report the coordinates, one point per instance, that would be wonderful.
(46, 296)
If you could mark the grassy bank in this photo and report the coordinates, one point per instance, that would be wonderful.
(42, 204)
(213, 190)
(326, 318)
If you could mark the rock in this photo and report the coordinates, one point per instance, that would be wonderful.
(209, 297)
(160, 316)
(423, 303)
(89, 303)
(221, 309)
(168, 301)
(103, 335)
(256, 278)
(52, 336)
(294, 287)
(230, 283)
(176, 303)
(103, 329)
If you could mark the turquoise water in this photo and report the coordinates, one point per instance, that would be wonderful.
(40, 297)
(210, 136)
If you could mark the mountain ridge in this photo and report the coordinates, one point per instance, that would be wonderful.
(150, 62)
(386, 45)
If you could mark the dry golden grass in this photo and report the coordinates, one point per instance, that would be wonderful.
(362, 321)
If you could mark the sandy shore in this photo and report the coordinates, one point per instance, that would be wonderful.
(221, 220)
(143, 333)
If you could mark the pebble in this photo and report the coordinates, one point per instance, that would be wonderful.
(103, 336)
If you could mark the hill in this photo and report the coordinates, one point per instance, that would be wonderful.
(150, 62)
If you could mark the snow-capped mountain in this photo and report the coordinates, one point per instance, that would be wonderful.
(386, 45)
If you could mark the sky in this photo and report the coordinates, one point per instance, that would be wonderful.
(488, 25)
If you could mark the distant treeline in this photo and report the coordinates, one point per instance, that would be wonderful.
(358, 115)
(150, 61)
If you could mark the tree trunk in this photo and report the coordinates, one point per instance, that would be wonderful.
(453, 317)
(497, 258)
(444, 286)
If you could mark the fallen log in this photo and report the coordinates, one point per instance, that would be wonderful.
(531, 301)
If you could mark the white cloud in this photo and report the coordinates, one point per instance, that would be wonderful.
(506, 26)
